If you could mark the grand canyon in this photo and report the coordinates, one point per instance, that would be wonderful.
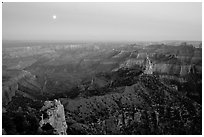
(102, 88)
(101, 68)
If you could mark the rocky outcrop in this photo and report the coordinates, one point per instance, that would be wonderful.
(148, 66)
(54, 116)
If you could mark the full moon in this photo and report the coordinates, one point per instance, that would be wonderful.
(54, 17)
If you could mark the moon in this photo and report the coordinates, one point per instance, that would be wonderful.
(54, 17)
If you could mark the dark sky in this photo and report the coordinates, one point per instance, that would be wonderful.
(102, 21)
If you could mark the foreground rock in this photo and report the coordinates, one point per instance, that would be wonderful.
(53, 117)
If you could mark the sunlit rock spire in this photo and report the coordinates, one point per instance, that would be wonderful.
(54, 116)
(148, 66)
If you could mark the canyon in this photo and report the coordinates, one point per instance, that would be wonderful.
(103, 88)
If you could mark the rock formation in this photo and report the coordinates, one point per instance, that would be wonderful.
(53, 115)
(149, 66)
(24, 81)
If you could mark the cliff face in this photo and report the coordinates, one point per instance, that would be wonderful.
(160, 68)
(179, 61)
(24, 81)
(8, 92)
(172, 69)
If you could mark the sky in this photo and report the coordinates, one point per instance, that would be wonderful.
(102, 21)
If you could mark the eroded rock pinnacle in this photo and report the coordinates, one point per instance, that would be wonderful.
(53, 115)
